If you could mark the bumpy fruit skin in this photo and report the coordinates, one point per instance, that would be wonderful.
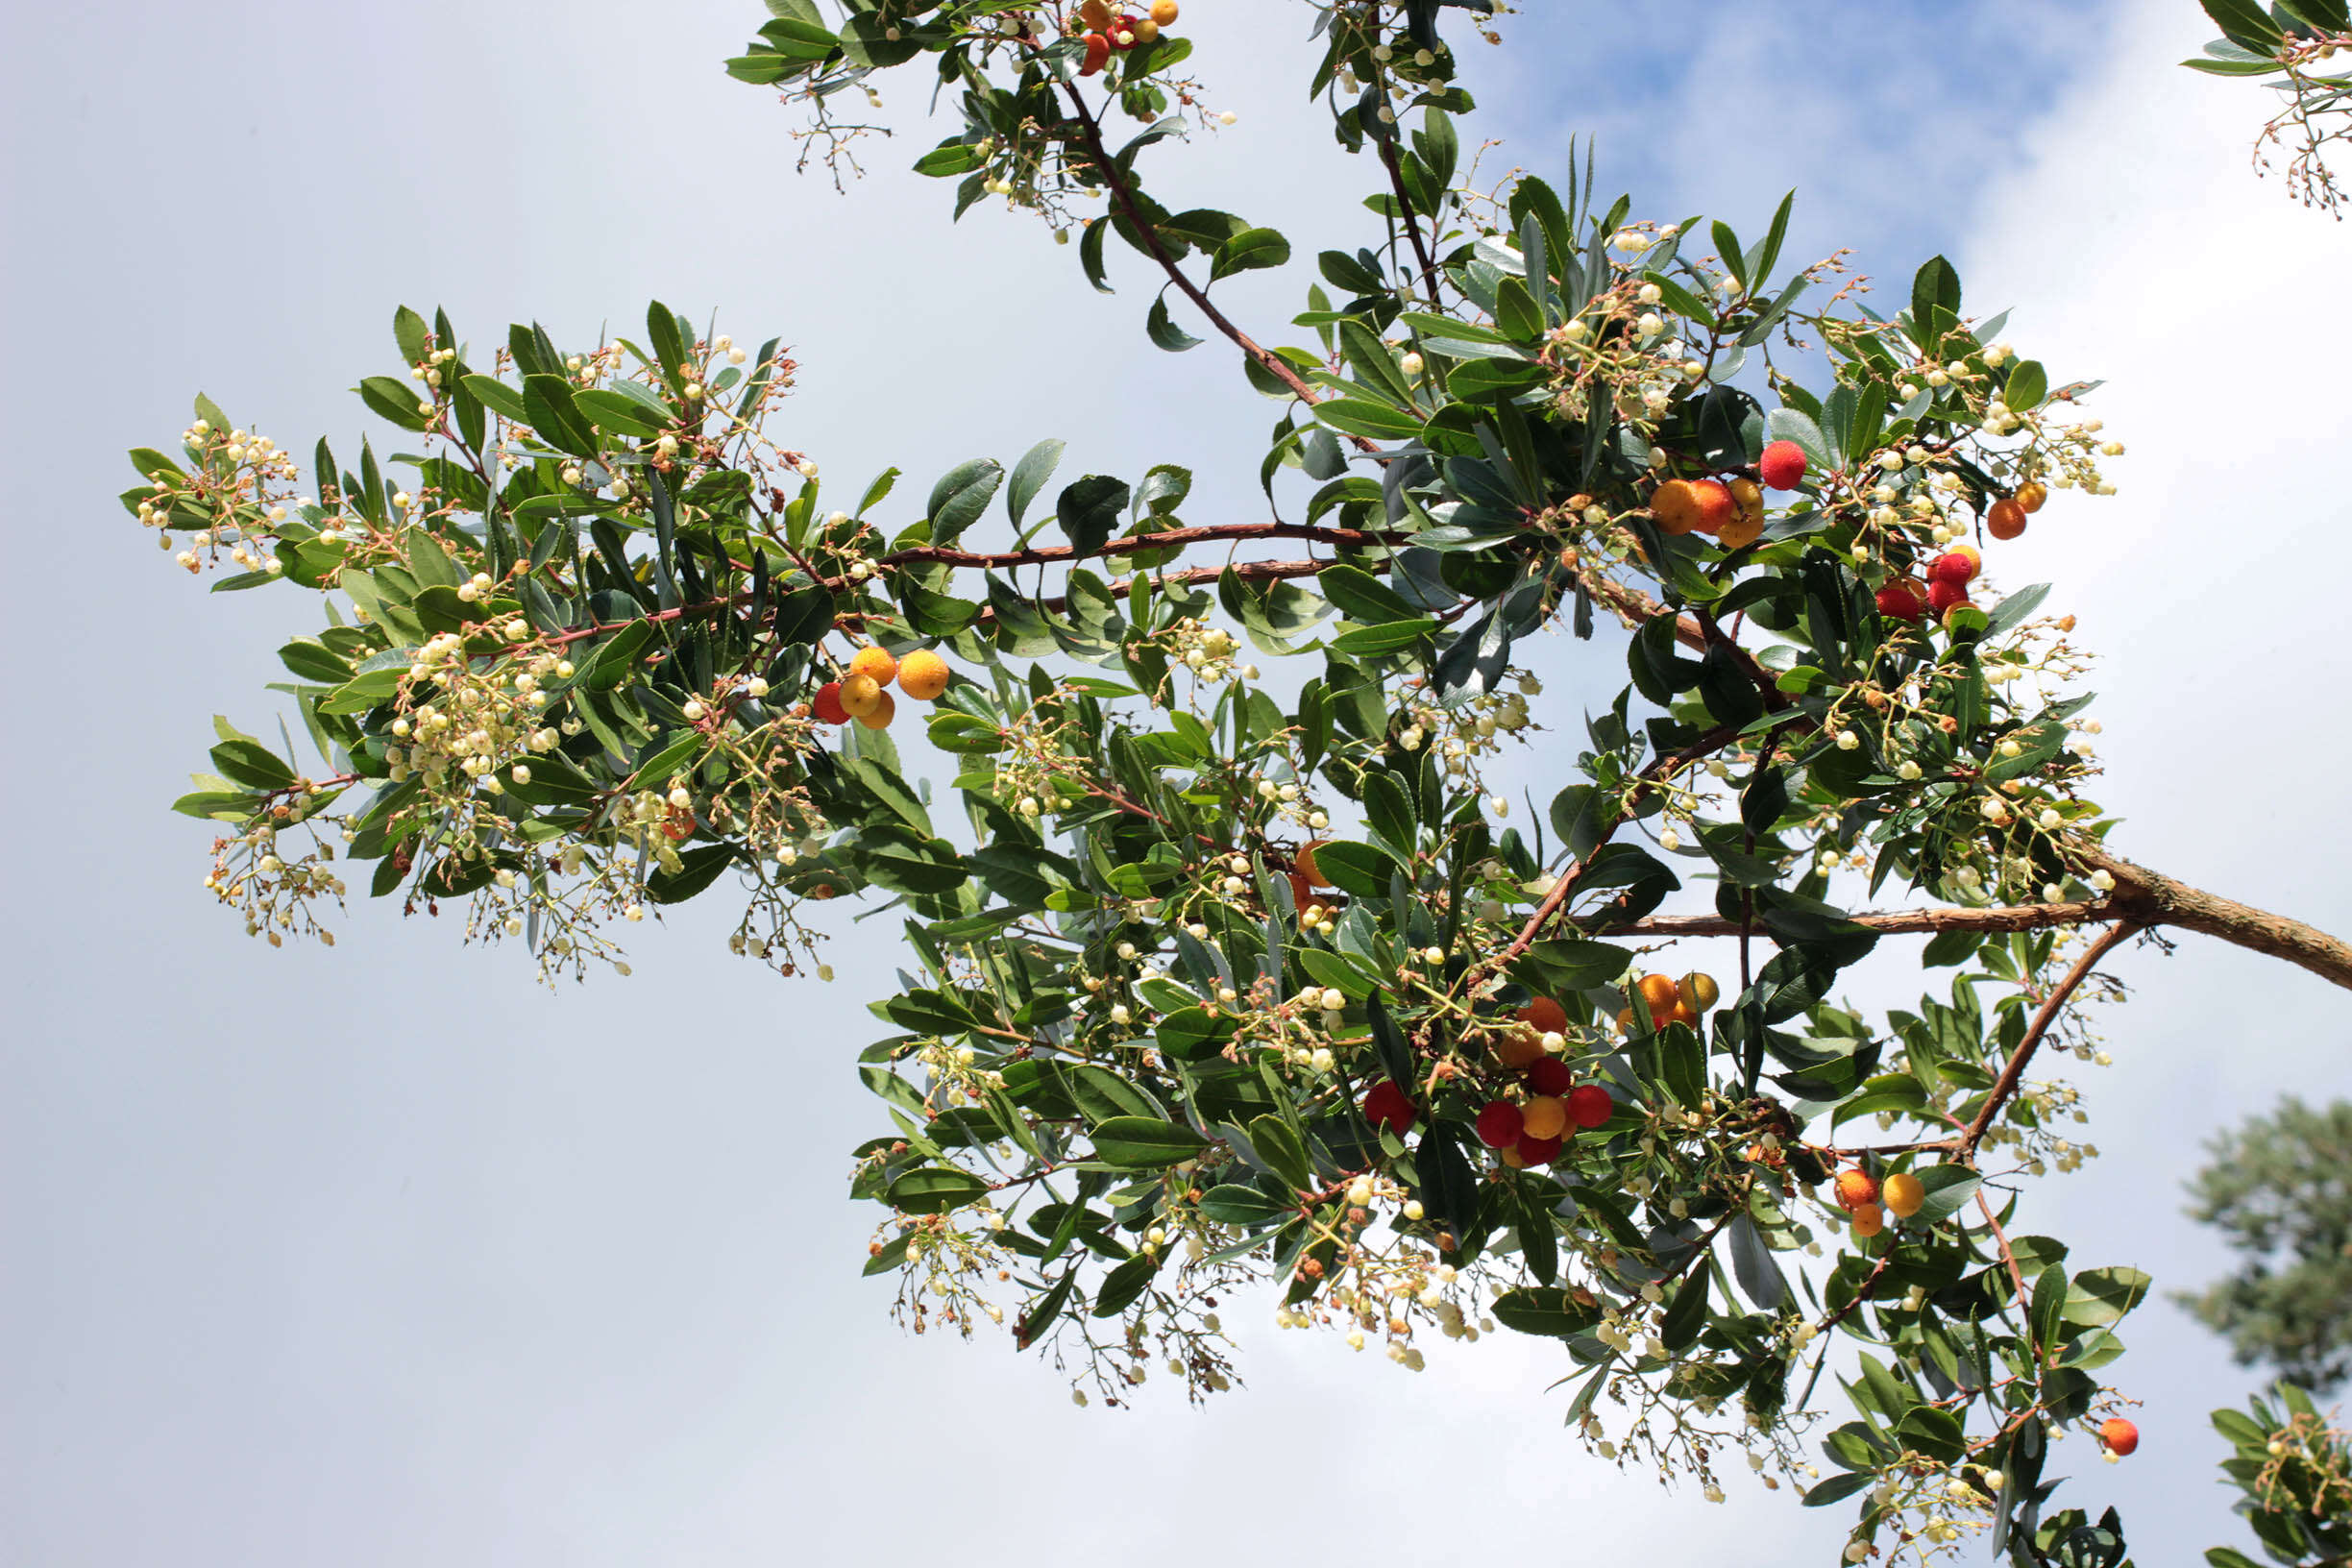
(1658, 991)
(1519, 1049)
(1544, 1016)
(1700, 991)
(1855, 1189)
(1957, 566)
(1551, 1076)
(1163, 11)
(1903, 1193)
(2117, 1436)
(1126, 33)
(1500, 1124)
(1900, 601)
(1536, 1151)
(1783, 467)
(1945, 596)
(2005, 519)
(876, 662)
(860, 695)
(1302, 891)
(1544, 1116)
(1717, 509)
(1741, 531)
(1675, 506)
(1589, 1106)
(1097, 51)
(2031, 495)
(923, 675)
(828, 703)
(880, 715)
(1869, 1220)
(1389, 1106)
(1096, 14)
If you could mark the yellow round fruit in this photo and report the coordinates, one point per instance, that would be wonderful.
(923, 675)
(2031, 495)
(1675, 507)
(1544, 1116)
(1868, 1221)
(1146, 31)
(879, 715)
(1700, 991)
(876, 662)
(1519, 1048)
(1741, 531)
(859, 696)
(1903, 1194)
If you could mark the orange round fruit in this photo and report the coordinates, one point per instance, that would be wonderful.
(1305, 861)
(1684, 1014)
(923, 675)
(1545, 1016)
(1855, 1189)
(1869, 1220)
(2117, 1436)
(1543, 1117)
(879, 715)
(2031, 495)
(1658, 991)
(860, 696)
(1097, 51)
(876, 662)
(1904, 1193)
(1163, 11)
(2006, 519)
(1675, 506)
(1519, 1048)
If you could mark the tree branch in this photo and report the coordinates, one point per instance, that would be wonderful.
(2005, 1085)
(2152, 898)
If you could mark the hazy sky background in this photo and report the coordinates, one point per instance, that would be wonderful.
(384, 1256)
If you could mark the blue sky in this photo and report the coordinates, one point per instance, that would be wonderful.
(382, 1254)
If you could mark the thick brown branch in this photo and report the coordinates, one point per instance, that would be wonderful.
(1896, 922)
(2152, 898)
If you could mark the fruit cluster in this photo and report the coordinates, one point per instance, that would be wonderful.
(861, 695)
(1869, 1201)
(1108, 30)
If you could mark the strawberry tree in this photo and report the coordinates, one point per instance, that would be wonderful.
(1230, 969)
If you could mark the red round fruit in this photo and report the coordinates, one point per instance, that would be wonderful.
(1551, 1076)
(828, 703)
(1129, 28)
(1783, 467)
(1389, 1106)
(2119, 1436)
(1498, 1124)
(1943, 595)
(1900, 601)
(1589, 1106)
(1957, 567)
(1537, 1151)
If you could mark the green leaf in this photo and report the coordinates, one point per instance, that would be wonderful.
(1242, 1206)
(1144, 1142)
(2101, 1296)
(248, 761)
(933, 1189)
(555, 415)
(962, 494)
(1545, 1311)
(498, 397)
(1362, 416)
(395, 400)
(1838, 1488)
(2246, 24)
(1248, 251)
(1279, 1147)
(611, 412)
(698, 868)
(1686, 1316)
(1161, 326)
(1029, 477)
(1123, 1284)
(1358, 868)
